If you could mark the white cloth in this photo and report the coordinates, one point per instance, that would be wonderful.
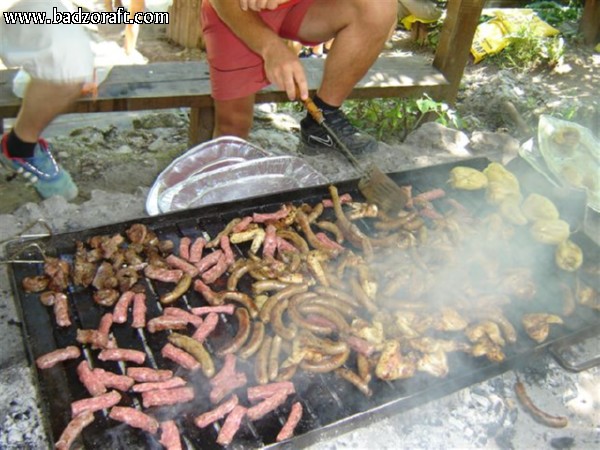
(52, 52)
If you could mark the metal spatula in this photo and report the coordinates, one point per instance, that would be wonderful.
(375, 185)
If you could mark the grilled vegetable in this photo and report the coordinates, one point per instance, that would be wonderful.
(568, 256)
(536, 207)
(550, 231)
(467, 178)
(502, 184)
(510, 209)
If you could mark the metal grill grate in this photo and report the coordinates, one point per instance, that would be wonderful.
(330, 405)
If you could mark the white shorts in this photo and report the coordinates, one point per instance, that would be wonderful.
(52, 52)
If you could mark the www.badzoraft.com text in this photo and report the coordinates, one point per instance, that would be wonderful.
(83, 17)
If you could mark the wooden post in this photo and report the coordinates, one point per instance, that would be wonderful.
(456, 38)
(184, 23)
(202, 122)
(590, 22)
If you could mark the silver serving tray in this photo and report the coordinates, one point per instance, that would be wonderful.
(238, 181)
(217, 153)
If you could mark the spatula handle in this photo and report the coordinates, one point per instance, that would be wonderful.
(312, 109)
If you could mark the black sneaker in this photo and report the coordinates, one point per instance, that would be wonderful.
(315, 138)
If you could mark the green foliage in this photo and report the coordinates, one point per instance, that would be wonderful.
(527, 51)
(393, 118)
(554, 13)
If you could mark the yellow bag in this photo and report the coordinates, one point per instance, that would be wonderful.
(495, 34)
(408, 21)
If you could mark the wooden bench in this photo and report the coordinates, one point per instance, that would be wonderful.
(186, 84)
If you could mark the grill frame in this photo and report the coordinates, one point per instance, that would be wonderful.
(59, 386)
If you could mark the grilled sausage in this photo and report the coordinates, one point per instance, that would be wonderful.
(243, 299)
(279, 327)
(261, 364)
(273, 365)
(326, 364)
(196, 349)
(253, 344)
(240, 338)
(265, 312)
(182, 286)
(537, 414)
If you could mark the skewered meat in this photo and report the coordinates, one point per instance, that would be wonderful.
(287, 431)
(169, 436)
(205, 419)
(231, 425)
(122, 354)
(61, 310)
(258, 393)
(112, 380)
(62, 354)
(180, 357)
(224, 309)
(172, 396)
(183, 314)
(208, 326)
(134, 418)
(92, 383)
(170, 383)
(74, 429)
(267, 405)
(147, 374)
(121, 307)
(95, 403)
(162, 323)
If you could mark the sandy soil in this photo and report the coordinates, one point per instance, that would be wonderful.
(125, 152)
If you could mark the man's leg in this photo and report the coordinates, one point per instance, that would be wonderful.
(25, 153)
(234, 117)
(360, 29)
(132, 30)
(43, 102)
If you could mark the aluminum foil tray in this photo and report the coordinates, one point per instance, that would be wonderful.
(217, 153)
(252, 178)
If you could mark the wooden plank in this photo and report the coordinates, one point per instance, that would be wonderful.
(590, 22)
(187, 84)
(456, 38)
(184, 24)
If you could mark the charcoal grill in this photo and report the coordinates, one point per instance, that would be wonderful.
(331, 405)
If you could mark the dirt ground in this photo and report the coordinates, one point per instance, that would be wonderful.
(123, 152)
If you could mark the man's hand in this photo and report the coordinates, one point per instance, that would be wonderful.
(283, 68)
(259, 5)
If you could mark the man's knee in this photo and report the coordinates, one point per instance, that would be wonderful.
(379, 16)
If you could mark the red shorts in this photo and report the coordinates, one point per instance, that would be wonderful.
(235, 70)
